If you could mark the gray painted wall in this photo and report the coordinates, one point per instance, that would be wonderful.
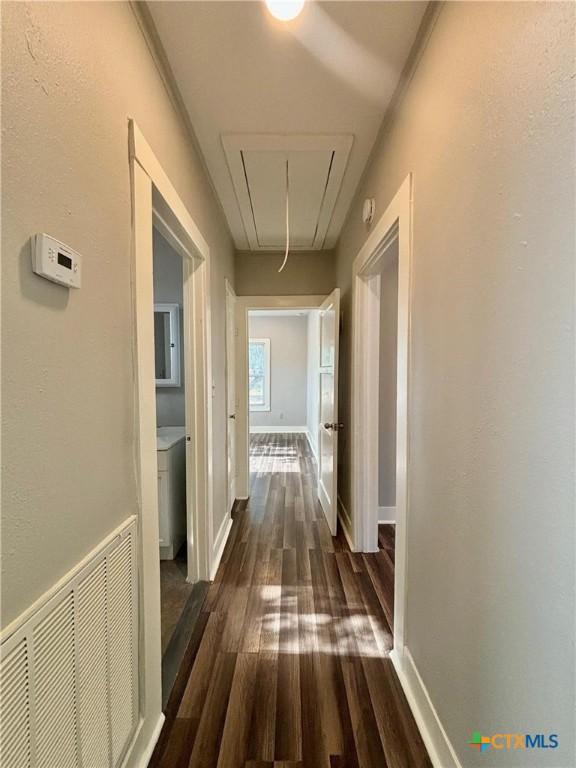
(67, 369)
(168, 287)
(388, 348)
(306, 273)
(487, 128)
(288, 367)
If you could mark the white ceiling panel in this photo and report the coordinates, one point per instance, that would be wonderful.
(267, 186)
(258, 166)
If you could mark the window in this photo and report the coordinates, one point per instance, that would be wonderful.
(259, 374)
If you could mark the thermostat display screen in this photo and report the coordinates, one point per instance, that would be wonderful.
(64, 261)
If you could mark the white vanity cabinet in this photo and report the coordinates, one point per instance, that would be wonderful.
(171, 452)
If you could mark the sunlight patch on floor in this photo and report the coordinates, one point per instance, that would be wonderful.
(286, 630)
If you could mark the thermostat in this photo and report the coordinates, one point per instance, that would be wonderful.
(56, 261)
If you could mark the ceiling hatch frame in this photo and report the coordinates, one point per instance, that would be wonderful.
(236, 148)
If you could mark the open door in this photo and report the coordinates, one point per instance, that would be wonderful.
(329, 425)
(231, 391)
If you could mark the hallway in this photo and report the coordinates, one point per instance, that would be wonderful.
(290, 652)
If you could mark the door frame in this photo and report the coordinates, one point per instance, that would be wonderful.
(155, 202)
(243, 305)
(231, 355)
(331, 514)
(394, 225)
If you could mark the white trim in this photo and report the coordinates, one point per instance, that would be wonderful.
(265, 406)
(346, 523)
(386, 515)
(395, 225)
(141, 151)
(231, 399)
(277, 430)
(131, 760)
(442, 753)
(243, 305)
(328, 365)
(173, 312)
(153, 199)
(219, 544)
(19, 621)
(311, 444)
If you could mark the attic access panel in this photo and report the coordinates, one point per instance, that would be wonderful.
(316, 166)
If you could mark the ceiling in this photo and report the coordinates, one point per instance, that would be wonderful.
(301, 101)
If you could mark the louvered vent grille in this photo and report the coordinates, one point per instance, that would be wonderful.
(121, 646)
(93, 673)
(69, 671)
(15, 708)
(54, 688)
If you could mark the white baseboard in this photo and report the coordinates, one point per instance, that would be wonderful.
(386, 515)
(311, 444)
(441, 752)
(138, 755)
(277, 430)
(219, 544)
(346, 523)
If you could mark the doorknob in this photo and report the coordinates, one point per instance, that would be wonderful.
(334, 426)
(232, 416)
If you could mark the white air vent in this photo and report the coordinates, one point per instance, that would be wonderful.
(15, 747)
(316, 166)
(69, 668)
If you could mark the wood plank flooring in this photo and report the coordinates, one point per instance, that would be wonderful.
(290, 656)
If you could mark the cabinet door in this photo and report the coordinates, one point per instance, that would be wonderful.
(165, 533)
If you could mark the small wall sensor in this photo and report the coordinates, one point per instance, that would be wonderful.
(368, 210)
(55, 261)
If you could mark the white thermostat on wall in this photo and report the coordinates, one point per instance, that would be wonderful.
(56, 261)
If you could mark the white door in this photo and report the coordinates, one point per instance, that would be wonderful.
(329, 425)
(231, 391)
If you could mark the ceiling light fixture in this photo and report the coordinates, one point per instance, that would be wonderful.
(285, 10)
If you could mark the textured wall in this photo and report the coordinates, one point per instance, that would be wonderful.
(310, 273)
(487, 128)
(72, 75)
(288, 366)
(168, 289)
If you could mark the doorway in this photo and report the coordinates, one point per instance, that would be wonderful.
(174, 513)
(157, 206)
(289, 383)
(231, 404)
(380, 379)
(387, 400)
(245, 305)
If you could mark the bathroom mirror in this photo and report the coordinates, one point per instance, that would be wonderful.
(167, 344)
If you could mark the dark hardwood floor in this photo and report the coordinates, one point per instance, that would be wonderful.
(174, 592)
(288, 666)
(387, 539)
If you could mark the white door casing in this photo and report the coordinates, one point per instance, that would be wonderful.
(329, 425)
(395, 225)
(155, 202)
(243, 306)
(231, 392)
